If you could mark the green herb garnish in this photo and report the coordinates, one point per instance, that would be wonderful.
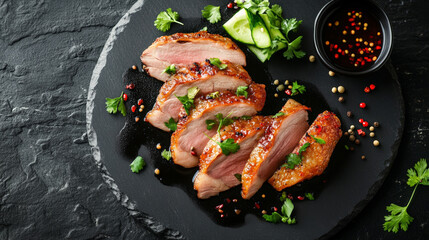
(210, 123)
(296, 88)
(285, 215)
(166, 154)
(214, 94)
(204, 29)
(137, 164)
(223, 121)
(242, 91)
(165, 19)
(216, 62)
(238, 176)
(170, 69)
(171, 124)
(188, 99)
(246, 117)
(115, 104)
(318, 140)
(211, 13)
(399, 218)
(278, 114)
(294, 159)
(228, 146)
(309, 196)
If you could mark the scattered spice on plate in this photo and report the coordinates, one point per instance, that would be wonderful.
(312, 58)
(331, 73)
(376, 143)
(341, 89)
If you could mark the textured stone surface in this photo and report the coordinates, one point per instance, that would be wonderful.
(50, 187)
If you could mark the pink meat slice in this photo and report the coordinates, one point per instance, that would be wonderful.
(279, 140)
(183, 49)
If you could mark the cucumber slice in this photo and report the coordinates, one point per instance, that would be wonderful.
(261, 54)
(238, 27)
(259, 31)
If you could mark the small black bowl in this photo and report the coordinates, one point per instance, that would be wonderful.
(367, 5)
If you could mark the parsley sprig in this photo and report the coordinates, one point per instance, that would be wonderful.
(188, 99)
(166, 155)
(170, 69)
(227, 146)
(242, 91)
(297, 88)
(211, 13)
(218, 63)
(285, 216)
(399, 217)
(137, 165)
(171, 124)
(165, 19)
(115, 104)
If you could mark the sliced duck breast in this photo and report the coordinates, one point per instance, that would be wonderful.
(279, 140)
(217, 170)
(207, 77)
(189, 140)
(185, 49)
(315, 158)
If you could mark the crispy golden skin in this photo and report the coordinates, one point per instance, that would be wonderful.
(315, 159)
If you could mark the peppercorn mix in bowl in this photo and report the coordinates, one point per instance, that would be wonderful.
(353, 37)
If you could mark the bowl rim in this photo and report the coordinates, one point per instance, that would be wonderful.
(386, 28)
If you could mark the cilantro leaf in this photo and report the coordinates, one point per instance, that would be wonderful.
(170, 69)
(278, 114)
(238, 176)
(275, 217)
(211, 13)
(293, 159)
(420, 175)
(171, 124)
(218, 63)
(296, 88)
(242, 91)
(137, 164)
(115, 104)
(309, 196)
(246, 117)
(166, 155)
(318, 140)
(210, 123)
(287, 208)
(277, 9)
(188, 104)
(229, 146)
(293, 49)
(192, 92)
(398, 218)
(290, 25)
(286, 211)
(204, 29)
(223, 121)
(164, 19)
(303, 148)
(283, 197)
(188, 99)
(214, 94)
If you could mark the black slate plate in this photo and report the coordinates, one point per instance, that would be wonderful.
(350, 181)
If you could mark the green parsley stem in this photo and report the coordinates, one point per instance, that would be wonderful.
(412, 195)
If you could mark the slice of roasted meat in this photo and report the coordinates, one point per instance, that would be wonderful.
(189, 140)
(279, 140)
(187, 48)
(316, 157)
(217, 171)
(207, 77)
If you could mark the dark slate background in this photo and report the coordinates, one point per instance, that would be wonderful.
(50, 187)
